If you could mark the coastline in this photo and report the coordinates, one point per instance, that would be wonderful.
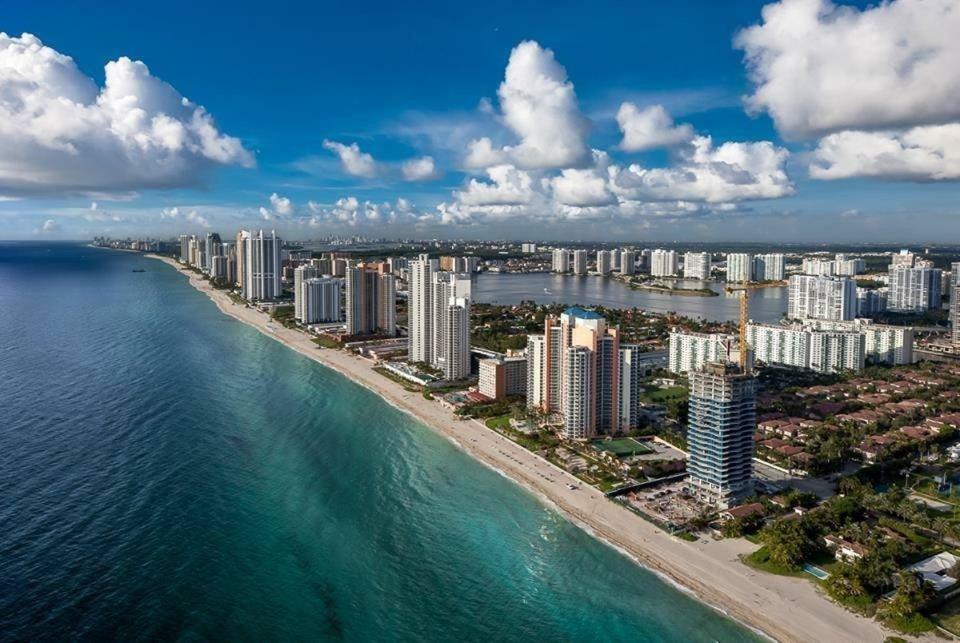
(787, 609)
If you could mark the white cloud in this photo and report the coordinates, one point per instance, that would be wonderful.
(49, 226)
(507, 185)
(419, 169)
(192, 216)
(96, 214)
(731, 172)
(539, 106)
(281, 204)
(587, 188)
(821, 68)
(919, 154)
(352, 160)
(649, 128)
(60, 133)
(352, 212)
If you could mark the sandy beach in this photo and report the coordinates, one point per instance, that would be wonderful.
(787, 609)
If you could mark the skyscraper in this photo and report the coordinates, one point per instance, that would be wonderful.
(739, 267)
(320, 298)
(579, 262)
(604, 261)
(820, 297)
(439, 318)
(769, 267)
(212, 246)
(914, 288)
(261, 262)
(420, 316)
(722, 420)
(300, 275)
(627, 262)
(696, 265)
(370, 301)
(689, 351)
(663, 263)
(561, 260)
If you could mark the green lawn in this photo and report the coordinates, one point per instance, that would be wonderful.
(501, 422)
(760, 559)
(662, 395)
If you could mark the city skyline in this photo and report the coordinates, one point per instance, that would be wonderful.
(495, 132)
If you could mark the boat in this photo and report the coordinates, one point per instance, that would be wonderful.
(138, 270)
(547, 291)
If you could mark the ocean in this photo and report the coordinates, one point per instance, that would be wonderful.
(167, 473)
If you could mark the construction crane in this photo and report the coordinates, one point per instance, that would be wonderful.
(744, 291)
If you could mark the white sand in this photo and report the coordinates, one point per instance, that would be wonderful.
(788, 609)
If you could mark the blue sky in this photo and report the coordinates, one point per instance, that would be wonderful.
(404, 83)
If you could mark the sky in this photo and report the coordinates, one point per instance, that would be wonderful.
(798, 120)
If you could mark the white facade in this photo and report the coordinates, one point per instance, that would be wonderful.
(578, 400)
(818, 266)
(883, 344)
(628, 264)
(696, 265)
(261, 262)
(690, 351)
(561, 260)
(739, 267)
(823, 349)
(536, 372)
(769, 267)
(420, 310)
(300, 275)
(579, 262)
(915, 289)
(604, 261)
(664, 263)
(812, 297)
(454, 359)
(633, 369)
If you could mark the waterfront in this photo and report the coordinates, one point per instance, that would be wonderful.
(167, 472)
(767, 305)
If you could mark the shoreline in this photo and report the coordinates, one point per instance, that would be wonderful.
(778, 607)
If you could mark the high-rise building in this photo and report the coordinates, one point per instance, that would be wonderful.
(561, 260)
(739, 267)
(241, 250)
(914, 288)
(604, 261)
(955, 316)
(320, 297)
(574, 370)
(300, 274)
(820, 297)
(769, 267)
(903, 259)
(579, 262)
(454, 355)
(690, 351)
(261, 262)
(848, 266)
(807, 346)
(185, 248)
(528, 248)
(212, 247)
(818, 267)
(722, 420)
(633, 369)
(663, 263)
(502, 376)
(628, 264)
(871, 301)
(420, 310)
(370, 300)
(696, 265)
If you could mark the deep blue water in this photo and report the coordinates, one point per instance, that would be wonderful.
(168, 473)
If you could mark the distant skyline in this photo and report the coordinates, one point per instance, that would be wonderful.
(794, 121)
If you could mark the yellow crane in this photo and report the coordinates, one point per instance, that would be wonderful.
(744, 291)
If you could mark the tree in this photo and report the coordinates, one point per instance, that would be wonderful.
(913, 593)
(788, 543)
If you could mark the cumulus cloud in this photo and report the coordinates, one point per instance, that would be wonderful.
(507, 185)
(95, 214)
(281, 204)
(49, 226)
(920, 154)
(539, 106)
(191, 216)
(419, 169)
(61, 133)
(352, 212)
(649, 128)
(731, 172)
(821, 68)
(353, 161)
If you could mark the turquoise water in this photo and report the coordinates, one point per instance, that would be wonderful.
(168, 473)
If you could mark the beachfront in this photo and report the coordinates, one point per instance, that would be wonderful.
(787, 609)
